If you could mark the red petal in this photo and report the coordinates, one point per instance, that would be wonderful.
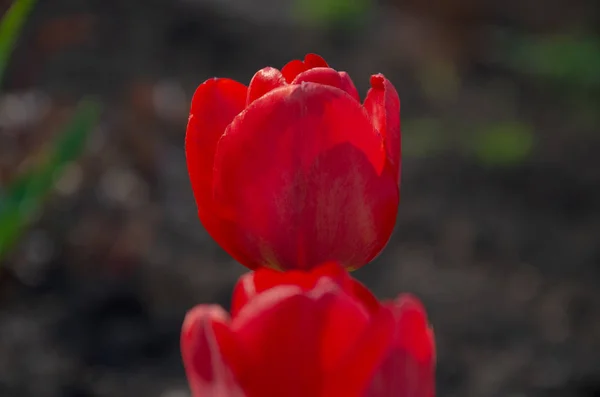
(328, 77)
(280, 332)
(409, 369)
(413, 331)
(348, 85)
(345, 322)
(302, 172)
(315, 61)
(204, 329)
(243, 292)
(361, 362)
(363, 294)
(325, 76)
(295, 338)
(253, 283)
(214, 105)
(292, 69)
(383, 106)
(295, 67)
(264, 81)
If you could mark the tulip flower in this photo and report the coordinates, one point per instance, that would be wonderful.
(293, 170)
(308, 334)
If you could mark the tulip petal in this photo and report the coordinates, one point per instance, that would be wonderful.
(383, 106)
(295, 67)
(284, 354)
(348, 85)
(292, 69)
(207, 372)
(315, 61)
(301, 171)
(264, 80)
(363, 294)
(325, 76)
(413, 331)
(409, 369)
(295, 338)
(253, 283)
(328, 77)
(337, 336)
(214, 105)
(356, 369)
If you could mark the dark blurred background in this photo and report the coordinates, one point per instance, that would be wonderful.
(499, 223)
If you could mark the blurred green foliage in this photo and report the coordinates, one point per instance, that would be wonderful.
(566, 64)
(573, 61)
(332, 12)
(503, 144)
(21, 200)
(10, 28)
(497, 144)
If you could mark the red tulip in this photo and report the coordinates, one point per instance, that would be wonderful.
(317, 334)
(293, 170)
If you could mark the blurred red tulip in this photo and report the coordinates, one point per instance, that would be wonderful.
(316, 334)
(293, 170)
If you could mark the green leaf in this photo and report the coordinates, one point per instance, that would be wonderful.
(504, 144)
(10, 28)
(71, 142)
(24, 197)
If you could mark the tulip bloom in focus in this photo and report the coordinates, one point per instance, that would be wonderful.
(293, 170)
(316, 334)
